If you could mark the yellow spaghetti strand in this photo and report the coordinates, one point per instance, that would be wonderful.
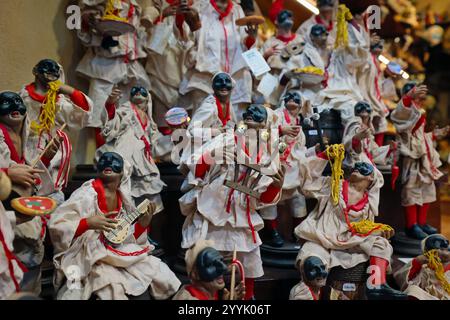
(336, 154)
(110, 11)
(367, 226)
(343, 16)
(49, 109)
(435, 263)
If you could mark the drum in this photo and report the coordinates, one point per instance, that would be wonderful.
(114, 28)
(351, 282)
(34, 206)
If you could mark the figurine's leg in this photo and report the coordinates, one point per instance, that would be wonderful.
(253, 269)
(412, 229)
(271, 236)
(422, 219)
(297, 208)
(99, 90)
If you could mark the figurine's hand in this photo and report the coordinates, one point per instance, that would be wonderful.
(102, 222)
(252, 30)
(51, 152)
(66, 89)
(278, 178)
(422, 259)
(273, 50)
(23, 175)
(170, 11)
(444, 255)
(363, 133)
(290, 131)
(239, 292)
(115, 95)
(441, 133)
(418, 93)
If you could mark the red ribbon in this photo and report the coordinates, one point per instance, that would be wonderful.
(148, 147)
(222, 16)
(10, 144)
(224, 118)
(10, 256)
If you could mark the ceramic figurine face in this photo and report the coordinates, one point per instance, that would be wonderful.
(315, 272)
(47, 70)
(319, 36)
(211, 268)
(326, 8)
(222, 85)
(12, 108)
(292, 100)
(139, 96)
(110, 167)
(362, 172)
(285, 20)
(363, 109)
(377, 48)
(255, 117)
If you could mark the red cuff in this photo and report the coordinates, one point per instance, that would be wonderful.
(407, 101)
(79, 99)
(323, 155)
(139, 230)
(356, 144)
(46, 161)
(111, 109)
(82, 228)
(270, 194)
(5, 170)
(249, 42)
(415, 269)
(202, 168)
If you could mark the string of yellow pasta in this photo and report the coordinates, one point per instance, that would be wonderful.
(343, 16)
(110, 11)
(336, 154)
(435, 263)
(49, 109)
(367, 226)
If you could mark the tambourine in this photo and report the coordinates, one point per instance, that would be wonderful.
(114, 28)
(176, 117)
(34, 206)
(255, 20)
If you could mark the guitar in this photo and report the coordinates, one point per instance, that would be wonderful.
(124, 223)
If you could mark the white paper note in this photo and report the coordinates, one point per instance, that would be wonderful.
(267, 85)
(256, 62)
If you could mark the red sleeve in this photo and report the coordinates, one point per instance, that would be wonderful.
(279, 130)
(323, 155)
(249, 42)
(46, 161)
(270, 194)
(82, 228)
(139, 230)
(111, 109)
(356, 144)
(79, 99)
(5, 170)
(415, 269)
(202, 168)
(407, 101)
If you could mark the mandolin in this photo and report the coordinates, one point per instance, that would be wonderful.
(124, 223)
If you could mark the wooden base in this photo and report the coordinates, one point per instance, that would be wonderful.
(283, 257)
(406, 246)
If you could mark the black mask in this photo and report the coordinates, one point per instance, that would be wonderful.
(361, 107)
(48, 66)
(436, 241)
(11, 102)
(110, 160)
(314, 268)
(285, 19)
(363, 168)
(222, 81)
(256, 112)
(378, 45)
(141, 90)
(292, 96)
(408, 87)
(210, 265)
(318, 30)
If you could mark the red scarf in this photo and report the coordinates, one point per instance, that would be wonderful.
(199, 294)
(148, 147)
(12, 149)
(224, 118)
(227, 11)
(31, 89)
(101, 197)
(329, 27)
(288, 39)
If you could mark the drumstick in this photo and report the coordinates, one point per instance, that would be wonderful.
(233, 275)
(35, 162)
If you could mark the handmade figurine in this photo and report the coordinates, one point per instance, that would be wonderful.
(206, 268)
(216, 112)
(370, 79)
(326, 18)
(273, 48)
(31, 175)
(113, 56)
(87, 264)
(11, 269)
(420, 160)
(359, 139)
(224, 210)
(219, 45)
(132, 133)
(292, 136)
(427, 276)
(341, 230)
(171, 25)
(314, 275)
